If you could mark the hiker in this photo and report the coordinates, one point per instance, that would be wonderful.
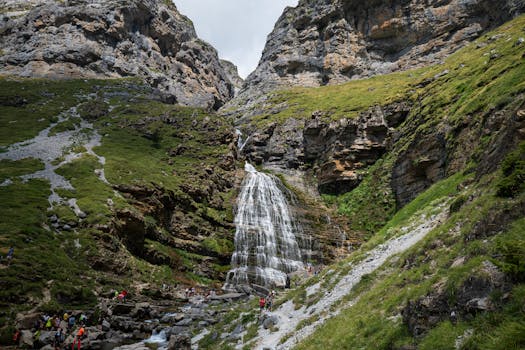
(71, 322)
(287, 284)
(83, 319)
(49, 323)
(56, 322)
(262, 302)
(122, 296)
(9, 255)
(78, 339)
(59, 339)
(453, 317)
(16, 337)
(269, 300)
(66, 316)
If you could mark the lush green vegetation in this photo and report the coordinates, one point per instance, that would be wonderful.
(374, 322)
(513, 167)
(169, 157)
(485, 222)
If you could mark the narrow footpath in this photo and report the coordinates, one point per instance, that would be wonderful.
(289, 318)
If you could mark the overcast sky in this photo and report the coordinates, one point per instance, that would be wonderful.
(236, 28)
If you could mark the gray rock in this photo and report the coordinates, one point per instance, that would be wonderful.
(106, 326)
(270, 321)
(172, 318)
(229, 297)
(184, 322)
(26, 338)
(330, 42)
(155, 42)
(180, 342)
(122, 309)
(236, 333)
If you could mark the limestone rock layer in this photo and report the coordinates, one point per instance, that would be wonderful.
(112, 38)
(323, 42)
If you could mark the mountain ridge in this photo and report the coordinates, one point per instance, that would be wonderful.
(111, 39)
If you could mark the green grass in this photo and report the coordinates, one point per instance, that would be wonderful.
(341, 101)
(10, 169)
(28, 106)
(93, 193)
(513, 168)
(374, 322)
(139, 140)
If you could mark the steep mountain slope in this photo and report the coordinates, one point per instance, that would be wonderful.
(110, 38)
(104, 187)
(442, 201)
(331, 42)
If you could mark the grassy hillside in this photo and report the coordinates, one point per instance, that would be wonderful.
(164, 215)
(463, 285)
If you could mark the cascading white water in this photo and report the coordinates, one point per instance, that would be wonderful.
(266, 237)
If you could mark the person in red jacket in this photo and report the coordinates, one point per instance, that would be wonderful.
(262, 303)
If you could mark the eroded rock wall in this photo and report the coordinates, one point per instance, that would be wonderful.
(333, 41)
(109, 39)
(338, 152)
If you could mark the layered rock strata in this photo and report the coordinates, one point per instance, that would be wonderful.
(337, 151)
(110, 39)
(330, 42)
(233, 74)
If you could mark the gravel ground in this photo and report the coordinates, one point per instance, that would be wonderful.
(49, 148)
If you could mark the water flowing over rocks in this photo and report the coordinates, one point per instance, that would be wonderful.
(112, 38)
(269, 242)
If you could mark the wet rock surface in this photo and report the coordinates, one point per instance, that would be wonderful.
(336, 151)
(110, 38)
(137, 325)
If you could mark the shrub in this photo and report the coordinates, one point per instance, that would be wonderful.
(513, 167)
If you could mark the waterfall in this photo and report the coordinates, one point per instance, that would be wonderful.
(240, 142)
(266, 237)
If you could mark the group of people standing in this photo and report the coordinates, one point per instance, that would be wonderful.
(267, 303)
(62, 326)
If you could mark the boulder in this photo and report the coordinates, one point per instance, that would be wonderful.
(172, 318)
(122, 309)
(27, 321)
(26, 338)
(229, 297)
(270, 321)
(180, 342)
(141, 311)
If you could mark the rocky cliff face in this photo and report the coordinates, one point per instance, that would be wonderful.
(233, 74)
(329, 42)
(111, 38)
(337, 151)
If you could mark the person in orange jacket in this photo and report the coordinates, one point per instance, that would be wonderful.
(81, 332)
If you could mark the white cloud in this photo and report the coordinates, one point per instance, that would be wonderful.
(236, 28)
